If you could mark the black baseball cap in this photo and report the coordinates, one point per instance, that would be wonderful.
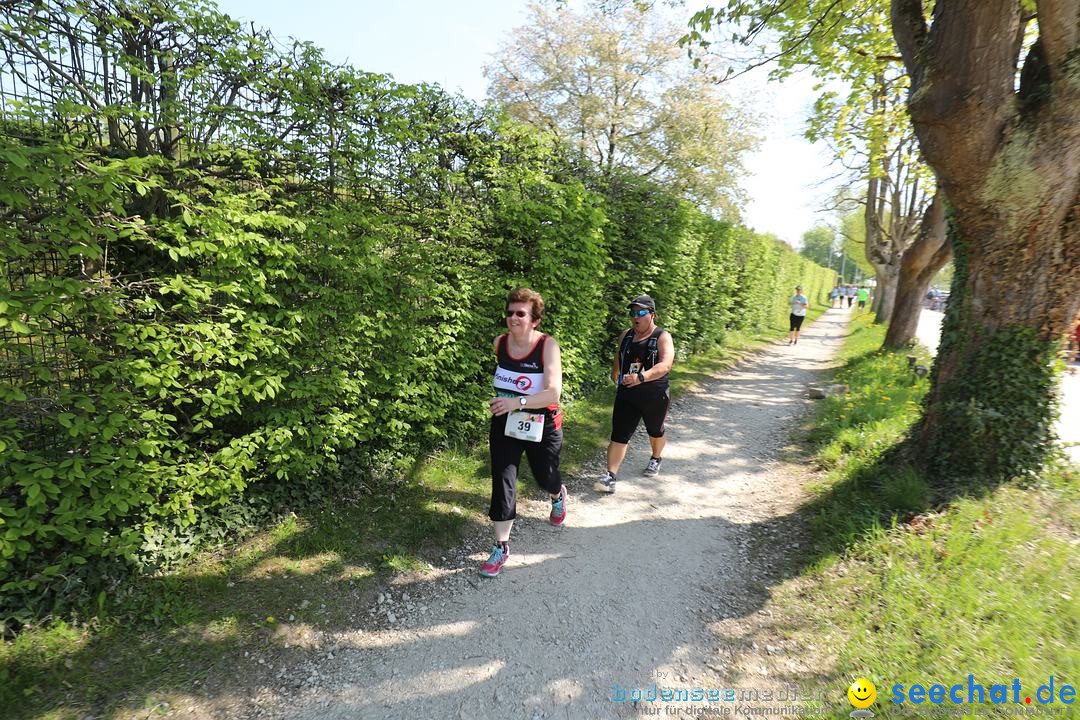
(643, 301)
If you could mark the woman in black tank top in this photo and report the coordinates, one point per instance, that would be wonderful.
(525, 418)
(640, 369)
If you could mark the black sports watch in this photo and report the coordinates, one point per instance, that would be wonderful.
(640, 376)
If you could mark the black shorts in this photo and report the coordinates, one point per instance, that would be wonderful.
(862, 303)
(506, 452)
(632, 405)
(796, 321)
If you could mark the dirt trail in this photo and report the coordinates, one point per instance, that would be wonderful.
(629, 592)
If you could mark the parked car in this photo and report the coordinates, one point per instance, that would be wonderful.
(936, 299)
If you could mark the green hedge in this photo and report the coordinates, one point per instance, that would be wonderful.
(185, 337)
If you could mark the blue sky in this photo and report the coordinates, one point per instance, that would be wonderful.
(449, 42)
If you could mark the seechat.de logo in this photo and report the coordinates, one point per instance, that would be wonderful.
(974, 693)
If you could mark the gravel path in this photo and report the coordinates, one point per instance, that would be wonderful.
(634, 589)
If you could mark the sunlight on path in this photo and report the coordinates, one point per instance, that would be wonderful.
(613, 599)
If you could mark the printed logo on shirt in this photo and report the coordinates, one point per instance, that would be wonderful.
(504, 378)
(520, 383)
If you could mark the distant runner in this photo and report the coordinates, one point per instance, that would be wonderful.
(863, 294)
(799, 304)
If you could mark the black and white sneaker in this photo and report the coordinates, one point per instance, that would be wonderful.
(606, 483)
(653, 468)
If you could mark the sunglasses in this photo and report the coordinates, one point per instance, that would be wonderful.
(639, 312)
(518, 313)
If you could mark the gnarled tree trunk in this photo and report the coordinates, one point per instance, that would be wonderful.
(1009, 164)
(922, 260)
(887, 279)
(880, 246)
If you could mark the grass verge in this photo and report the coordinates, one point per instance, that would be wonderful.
(909, 586)
(166, 638)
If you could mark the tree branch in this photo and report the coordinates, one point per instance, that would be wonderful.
(797, 42)
(55, 69)
(930, 247)
(1059, 32)
(969, 45)
(909, 30)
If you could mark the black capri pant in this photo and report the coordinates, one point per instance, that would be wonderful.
(796, 321)
(632, 405)
(506, 452)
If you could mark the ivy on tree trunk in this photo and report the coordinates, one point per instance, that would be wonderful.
(1008, 161)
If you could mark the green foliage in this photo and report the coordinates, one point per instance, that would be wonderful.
(818, 244)
(994, 420)
(195, 341)
(921, 597)
(134, 403)
(853, 246)
(867, 125)
(908, 582)
(850, 41)
(768, 272)
(856, 434)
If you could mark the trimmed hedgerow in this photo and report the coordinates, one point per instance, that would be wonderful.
(188, 334)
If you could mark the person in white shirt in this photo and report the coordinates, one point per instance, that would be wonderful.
(799, 304)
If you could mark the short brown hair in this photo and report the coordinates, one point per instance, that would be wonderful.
(525, 295)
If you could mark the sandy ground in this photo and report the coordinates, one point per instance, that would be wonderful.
(646, 586)
(1068, 427)
(663, 585)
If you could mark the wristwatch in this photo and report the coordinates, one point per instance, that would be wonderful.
(522, 400)
(640, 376)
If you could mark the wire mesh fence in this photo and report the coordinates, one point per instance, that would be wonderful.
(158, 78)
(123, 79)
(178, 80)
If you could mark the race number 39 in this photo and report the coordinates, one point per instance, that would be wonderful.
(525, 425)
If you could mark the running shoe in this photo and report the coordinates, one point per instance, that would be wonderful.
(558, 508)
(653, 468)
(494, 563)
(606, 483)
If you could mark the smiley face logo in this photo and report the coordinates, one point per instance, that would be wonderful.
(862, 693)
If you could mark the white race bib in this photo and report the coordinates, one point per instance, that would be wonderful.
(524, 425)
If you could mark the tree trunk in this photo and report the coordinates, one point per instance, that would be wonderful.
(880, 248)
(885, 293)
(989, 413)
(921, 262)
(1008, 160)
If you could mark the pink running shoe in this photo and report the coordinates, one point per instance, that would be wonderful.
(494, 563)
(558, 508)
